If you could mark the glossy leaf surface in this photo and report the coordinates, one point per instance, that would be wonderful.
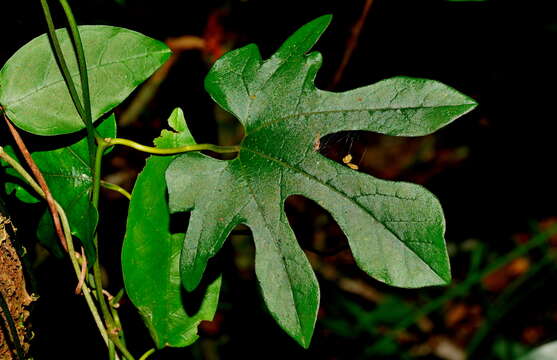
(395, 230)
(151, 253)
(34, 94)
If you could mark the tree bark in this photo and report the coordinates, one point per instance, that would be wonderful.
(14, 295)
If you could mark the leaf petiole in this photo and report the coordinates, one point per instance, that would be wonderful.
(172, 151)
(147, 354)
(118, 189)
(67, 232)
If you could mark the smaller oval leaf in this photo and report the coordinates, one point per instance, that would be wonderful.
(151, 253)
(69, 176)
(34, 94)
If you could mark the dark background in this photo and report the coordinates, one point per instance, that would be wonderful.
(492, 171)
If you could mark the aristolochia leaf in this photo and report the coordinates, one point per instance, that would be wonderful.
(395, 230)
(34, 94)
(151, 253)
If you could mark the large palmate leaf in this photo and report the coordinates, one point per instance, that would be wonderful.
(34, 94)
(69, 176)
(395, 230)
(151, 253)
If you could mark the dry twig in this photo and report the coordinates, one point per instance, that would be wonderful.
(351, 44)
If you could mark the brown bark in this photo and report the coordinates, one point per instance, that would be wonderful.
(14, 292)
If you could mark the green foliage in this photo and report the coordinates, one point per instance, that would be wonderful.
(69, 176)
(395, 230)
(13, 184)
(150, 248)
(34, 94)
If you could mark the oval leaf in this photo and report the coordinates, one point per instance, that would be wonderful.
(151, 254)
(69, 176)
(34, 94)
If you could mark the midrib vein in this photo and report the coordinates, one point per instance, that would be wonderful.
(301, 171)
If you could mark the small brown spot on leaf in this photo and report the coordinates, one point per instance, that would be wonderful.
(317, 142)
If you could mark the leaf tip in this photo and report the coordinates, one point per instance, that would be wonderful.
(325, 20)
(304, 342)
(177, 120)
(190, 279)
(304, 38)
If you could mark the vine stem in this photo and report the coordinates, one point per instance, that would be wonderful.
(67, 232)
(82, 63)
(95, 143)
(97, 275)
(118, 189)
(83, 111)
(40, 178)
(172, 151)
(147, 354)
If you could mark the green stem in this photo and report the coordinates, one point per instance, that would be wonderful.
(102, 145)
(118, 323)
(172, 151)
(118, 189)
(91, 133)
(82, 63)
(147, 354)
(84, 76)
(67, 233)
(13, 329)
(111, 351)
(116, 299)
(61, 60)
(96, 265)
(93, 139)
(109, 320)
(116, 340)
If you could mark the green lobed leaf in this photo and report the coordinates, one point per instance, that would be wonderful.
(395, 230)
(151, 253)
(34, 94)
